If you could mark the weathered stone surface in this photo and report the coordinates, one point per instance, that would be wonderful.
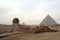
(15, 24)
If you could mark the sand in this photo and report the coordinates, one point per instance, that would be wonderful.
(38, 36)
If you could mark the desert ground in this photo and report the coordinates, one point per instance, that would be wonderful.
(37, 36)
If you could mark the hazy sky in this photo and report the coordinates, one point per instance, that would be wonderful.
(29, 11)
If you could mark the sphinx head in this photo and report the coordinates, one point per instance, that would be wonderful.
(15, 20)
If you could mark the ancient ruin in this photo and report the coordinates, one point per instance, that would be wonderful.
(30, 28)
(48, 20)
(15, 24)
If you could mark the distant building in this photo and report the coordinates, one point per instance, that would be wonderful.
(23, 23)
(48, 21)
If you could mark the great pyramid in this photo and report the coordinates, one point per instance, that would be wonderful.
(48, 21)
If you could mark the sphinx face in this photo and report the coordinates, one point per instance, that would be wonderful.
(15, 20)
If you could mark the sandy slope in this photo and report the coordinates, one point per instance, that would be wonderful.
(38, 36)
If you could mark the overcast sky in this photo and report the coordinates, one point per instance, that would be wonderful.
(29, 11)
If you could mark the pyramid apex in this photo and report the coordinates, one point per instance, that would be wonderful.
(48, 15)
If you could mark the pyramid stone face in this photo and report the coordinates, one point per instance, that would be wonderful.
(48, 21)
